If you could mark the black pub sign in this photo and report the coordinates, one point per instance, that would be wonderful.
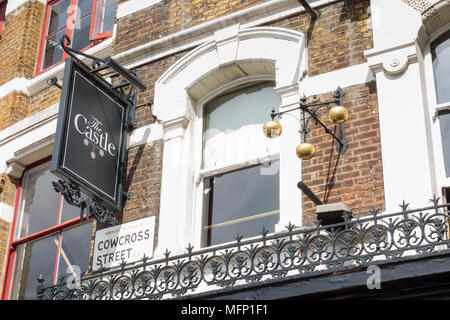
(90, 139)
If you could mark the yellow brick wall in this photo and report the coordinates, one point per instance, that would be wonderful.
(13, 108)
(20, 41)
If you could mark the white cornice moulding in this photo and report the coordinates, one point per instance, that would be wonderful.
(16, 84)
(194, 36)
(28, 124)
(14, 4)
(131, 6)
(28, 155)
(394, 61)
(328, 82)
(145, 135)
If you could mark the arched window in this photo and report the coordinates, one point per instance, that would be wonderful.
(242, 199)
(440, 53)
(200, 102)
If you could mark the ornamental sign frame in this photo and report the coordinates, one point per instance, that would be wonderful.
(91, 136)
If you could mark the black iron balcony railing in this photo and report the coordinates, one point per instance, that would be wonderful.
(356, 242)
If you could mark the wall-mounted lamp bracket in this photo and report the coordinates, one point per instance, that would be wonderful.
(313, 111)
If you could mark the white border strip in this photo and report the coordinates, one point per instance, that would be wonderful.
(132, 6)
(14, 4)
(346, 77)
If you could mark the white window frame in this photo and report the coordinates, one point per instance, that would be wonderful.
(201, 174)
(434, 109)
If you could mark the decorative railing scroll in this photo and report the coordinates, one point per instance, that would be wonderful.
(295, 251)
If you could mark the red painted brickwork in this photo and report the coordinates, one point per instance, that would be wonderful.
(143, 181)
(355, 178)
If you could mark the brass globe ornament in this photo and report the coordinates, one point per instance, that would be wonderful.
(305, 151)
(338, 114)
(272, 129)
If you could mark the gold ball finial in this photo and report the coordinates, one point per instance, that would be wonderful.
(272, 129)
(305, 151)
(338, 114)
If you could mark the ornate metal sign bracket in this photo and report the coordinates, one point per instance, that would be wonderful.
(72, 195)
(124, 90)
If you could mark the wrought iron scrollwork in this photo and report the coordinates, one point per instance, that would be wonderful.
(297, 250)
(72, 195)
(125, 90)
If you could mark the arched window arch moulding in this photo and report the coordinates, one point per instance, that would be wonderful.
(233, 55)
(434, 17)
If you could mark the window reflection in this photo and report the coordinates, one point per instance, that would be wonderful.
(40, 203)
(58, 16)
(444, 122)
(32, 260)
(53, 50)
(440, 50)
(81, 36)
(242, 202)
(74, 252)
(233, 122)
(59, 249)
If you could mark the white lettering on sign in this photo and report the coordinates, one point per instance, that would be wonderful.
(128, 242)
(94, 134)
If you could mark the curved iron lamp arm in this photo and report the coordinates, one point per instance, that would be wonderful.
(308, 108)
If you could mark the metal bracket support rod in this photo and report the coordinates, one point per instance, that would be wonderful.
(305, 108)
(302, 105)
(308, 192)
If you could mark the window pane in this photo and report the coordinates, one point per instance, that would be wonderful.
(104, 16)
(233, 126)
(243, 202)
(444, 121)
(53, 51)
(85, 7)
(108, 19)
(34, 259)
(39, 204)
(58, 16)
(75, 251)
(238, 109)
(69, 212)
(81, 32)
(441, 64)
